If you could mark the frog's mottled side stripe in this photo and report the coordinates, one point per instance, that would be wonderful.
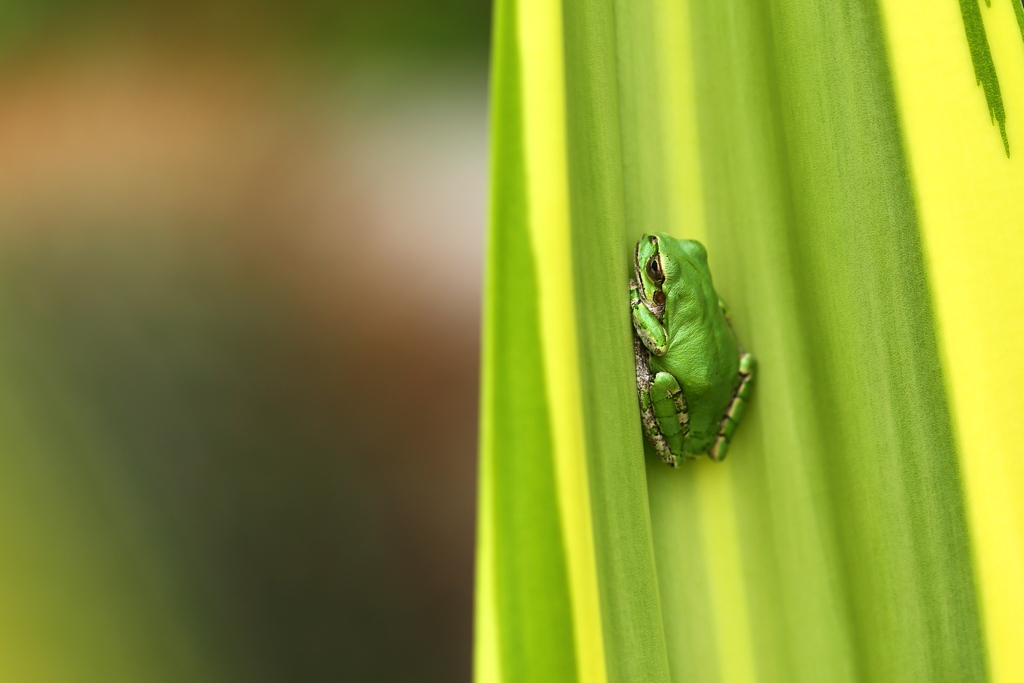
(541, 53)
(972, 213)
(524, 626)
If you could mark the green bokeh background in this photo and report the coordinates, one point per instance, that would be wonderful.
(237, 389)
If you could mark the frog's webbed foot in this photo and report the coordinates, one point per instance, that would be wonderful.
(662, 408)
(734, 412)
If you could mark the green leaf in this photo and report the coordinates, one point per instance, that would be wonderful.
(832, 545)
(523, 605)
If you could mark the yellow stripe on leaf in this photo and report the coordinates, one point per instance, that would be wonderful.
(547, 182)
(971, 205)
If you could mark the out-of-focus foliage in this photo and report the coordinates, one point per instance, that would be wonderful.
(201, 472)
(332, 30)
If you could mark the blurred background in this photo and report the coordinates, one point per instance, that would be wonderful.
(240, 247)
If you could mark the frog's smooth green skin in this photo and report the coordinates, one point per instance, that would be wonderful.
(693, 378)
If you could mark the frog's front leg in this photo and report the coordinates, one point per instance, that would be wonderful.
(647, 325)
(662, 408)
(734, 412)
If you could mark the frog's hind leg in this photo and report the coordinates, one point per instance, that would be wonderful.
(669, 407)
(662, 409)
(735, 410)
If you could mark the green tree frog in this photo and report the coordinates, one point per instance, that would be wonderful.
(693, 378)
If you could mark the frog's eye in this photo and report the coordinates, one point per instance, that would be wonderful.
(654, 270)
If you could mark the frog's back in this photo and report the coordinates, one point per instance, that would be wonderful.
(702, 355)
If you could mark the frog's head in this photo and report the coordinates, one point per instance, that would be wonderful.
(662, 263)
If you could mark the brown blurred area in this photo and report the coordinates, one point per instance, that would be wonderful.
(240, 251)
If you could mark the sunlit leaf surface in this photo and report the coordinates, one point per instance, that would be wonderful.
(852, 534)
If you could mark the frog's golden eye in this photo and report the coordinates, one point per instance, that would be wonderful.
(654, 270)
